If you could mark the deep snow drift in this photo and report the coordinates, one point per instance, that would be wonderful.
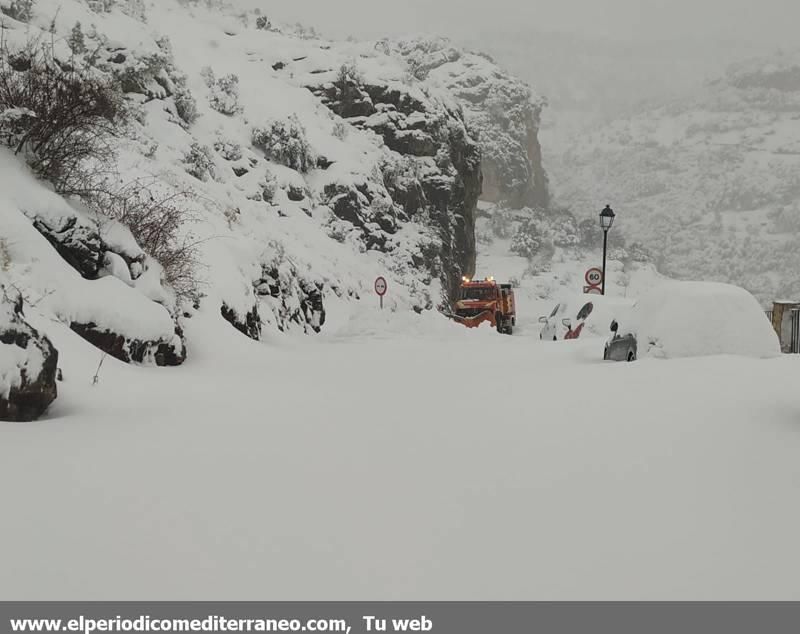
(691, 319)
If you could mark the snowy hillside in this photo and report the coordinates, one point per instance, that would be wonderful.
(254, 168)
(709, 185)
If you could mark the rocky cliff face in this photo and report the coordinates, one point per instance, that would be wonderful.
(433, 170)
(501, 110)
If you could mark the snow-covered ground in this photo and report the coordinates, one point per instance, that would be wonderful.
(392, 455)
(404, 457)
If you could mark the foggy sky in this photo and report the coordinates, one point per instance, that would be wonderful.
(772, 22)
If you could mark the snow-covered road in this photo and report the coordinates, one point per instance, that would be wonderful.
(453, 465)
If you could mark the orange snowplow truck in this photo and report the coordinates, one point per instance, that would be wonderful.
(486, 300)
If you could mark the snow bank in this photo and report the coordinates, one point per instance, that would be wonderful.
(58, 288)
(691, 319)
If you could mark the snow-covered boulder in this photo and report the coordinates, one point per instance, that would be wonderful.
(692, 319)
(91, 276)
(28, 365)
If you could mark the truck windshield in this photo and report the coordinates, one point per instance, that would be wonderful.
(477, 293)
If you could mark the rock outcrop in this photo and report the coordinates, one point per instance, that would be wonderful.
(293, 298)
(79, 241)
(28, 365)
(433, 170)
(501, 109)
(249, 323)
(132, 350)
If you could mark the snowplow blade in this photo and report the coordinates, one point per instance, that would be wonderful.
(476, 320)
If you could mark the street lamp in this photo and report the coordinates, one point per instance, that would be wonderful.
(606, 220)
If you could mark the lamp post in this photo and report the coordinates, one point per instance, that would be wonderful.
(606, 220)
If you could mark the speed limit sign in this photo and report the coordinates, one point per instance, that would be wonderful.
(380, 287)
(593, 276)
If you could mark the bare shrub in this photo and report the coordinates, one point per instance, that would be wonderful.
(77, 40)
(157, 218)
(62, 116)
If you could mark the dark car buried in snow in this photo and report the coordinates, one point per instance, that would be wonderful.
(620, 347)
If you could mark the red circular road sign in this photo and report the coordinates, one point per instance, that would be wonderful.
(380, 286)
(593, 276)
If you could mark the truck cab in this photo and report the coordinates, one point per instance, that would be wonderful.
(486, 300)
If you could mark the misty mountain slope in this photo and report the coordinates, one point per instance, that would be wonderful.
(296, 171)
(710, 184)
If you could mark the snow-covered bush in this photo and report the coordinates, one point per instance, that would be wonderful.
(58, 117)
(531, 237)
(340, 130)
(224, 92)
(285, 142)
(268, 187)
(101, 6)
(564, 229)
(501, 223)
(157, 219)
(590, 233)
(263, 23)
(636, 252)
(199, 162)
(133, 8)
(349, 73)
(232, 215)
(348, 84)
(5, 256)
(229, 150)
(185, 105)
(20, 10)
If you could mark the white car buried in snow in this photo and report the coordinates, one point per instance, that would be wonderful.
(692, 319)
(574, 314)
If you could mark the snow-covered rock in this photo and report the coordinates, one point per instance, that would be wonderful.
(28, 364)
(128, 318)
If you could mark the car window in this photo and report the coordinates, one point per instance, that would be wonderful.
(555, 310)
